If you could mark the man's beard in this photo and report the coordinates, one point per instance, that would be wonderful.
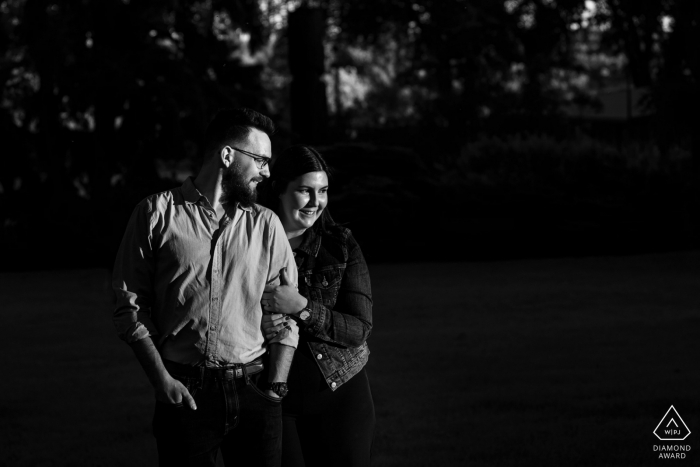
(236, 189)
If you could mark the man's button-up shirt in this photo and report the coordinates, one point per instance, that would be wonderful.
(193, 282)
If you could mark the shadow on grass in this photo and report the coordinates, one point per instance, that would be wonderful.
(553, 362)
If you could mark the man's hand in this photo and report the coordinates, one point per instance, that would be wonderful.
(283, 298)
(172, 391)
(273, 324)
(168, 389)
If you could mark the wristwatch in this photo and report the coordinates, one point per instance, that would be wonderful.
(305, 313)
(279, 388)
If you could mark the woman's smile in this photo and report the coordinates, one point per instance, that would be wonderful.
(303, 201)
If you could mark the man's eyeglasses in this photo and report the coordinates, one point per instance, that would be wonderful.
(260, 161)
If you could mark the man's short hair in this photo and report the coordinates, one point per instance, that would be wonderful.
(231, 126)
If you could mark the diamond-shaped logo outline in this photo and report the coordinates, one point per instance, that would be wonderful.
(679, 418)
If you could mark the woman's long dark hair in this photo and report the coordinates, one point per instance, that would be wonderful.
(294, 162)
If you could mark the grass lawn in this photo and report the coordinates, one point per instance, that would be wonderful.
(564, 362)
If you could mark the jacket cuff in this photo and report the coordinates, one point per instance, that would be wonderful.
(315, 323)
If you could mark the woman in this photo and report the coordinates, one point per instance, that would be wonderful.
(328, 412)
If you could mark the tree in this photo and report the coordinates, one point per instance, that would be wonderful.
(96, 91)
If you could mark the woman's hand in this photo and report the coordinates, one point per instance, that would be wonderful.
(283, 298)
(273, 324)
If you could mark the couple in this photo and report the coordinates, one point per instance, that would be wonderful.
(207, 297)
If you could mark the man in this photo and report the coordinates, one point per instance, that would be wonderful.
(189, 276)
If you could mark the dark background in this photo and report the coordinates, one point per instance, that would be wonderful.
(546, 148)
(458, 129)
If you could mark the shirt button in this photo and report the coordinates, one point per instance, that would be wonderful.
(333, 384)
(319, 356)
(213, 328)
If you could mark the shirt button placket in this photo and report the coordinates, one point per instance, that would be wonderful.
(215, 298)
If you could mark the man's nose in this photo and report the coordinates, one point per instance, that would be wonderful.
(265, 171)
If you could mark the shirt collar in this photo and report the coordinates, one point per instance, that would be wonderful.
(192, 194)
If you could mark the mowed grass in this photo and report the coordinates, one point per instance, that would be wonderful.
(566, 362)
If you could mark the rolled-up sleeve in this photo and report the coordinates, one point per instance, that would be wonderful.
(281, 256)
(132, 278)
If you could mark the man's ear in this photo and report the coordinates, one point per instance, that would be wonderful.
(226, 156)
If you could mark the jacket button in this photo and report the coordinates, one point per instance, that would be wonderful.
(319, 356)
(333, 384)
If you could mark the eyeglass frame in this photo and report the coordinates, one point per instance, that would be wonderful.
(256, 157)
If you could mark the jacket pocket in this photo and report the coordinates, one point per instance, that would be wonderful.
(324, 284)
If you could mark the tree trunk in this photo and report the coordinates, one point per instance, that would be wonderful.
(309, 107)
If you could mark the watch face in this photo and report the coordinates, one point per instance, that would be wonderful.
(304, 315)
(280, 389)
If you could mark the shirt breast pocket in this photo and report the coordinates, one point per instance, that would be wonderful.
(323, 284)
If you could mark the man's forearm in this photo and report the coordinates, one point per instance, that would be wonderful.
(280, 362)
(150, 360)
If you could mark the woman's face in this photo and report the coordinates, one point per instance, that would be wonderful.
(303, 201)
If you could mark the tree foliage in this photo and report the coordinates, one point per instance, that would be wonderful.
(458, 60)
(455, 62)
(97, 93)
(98, 89)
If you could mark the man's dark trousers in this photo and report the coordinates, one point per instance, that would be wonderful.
(232, 414)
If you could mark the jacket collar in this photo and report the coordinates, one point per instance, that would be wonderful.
(312, 240)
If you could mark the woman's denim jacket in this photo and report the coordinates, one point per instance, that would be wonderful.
(333, 276)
